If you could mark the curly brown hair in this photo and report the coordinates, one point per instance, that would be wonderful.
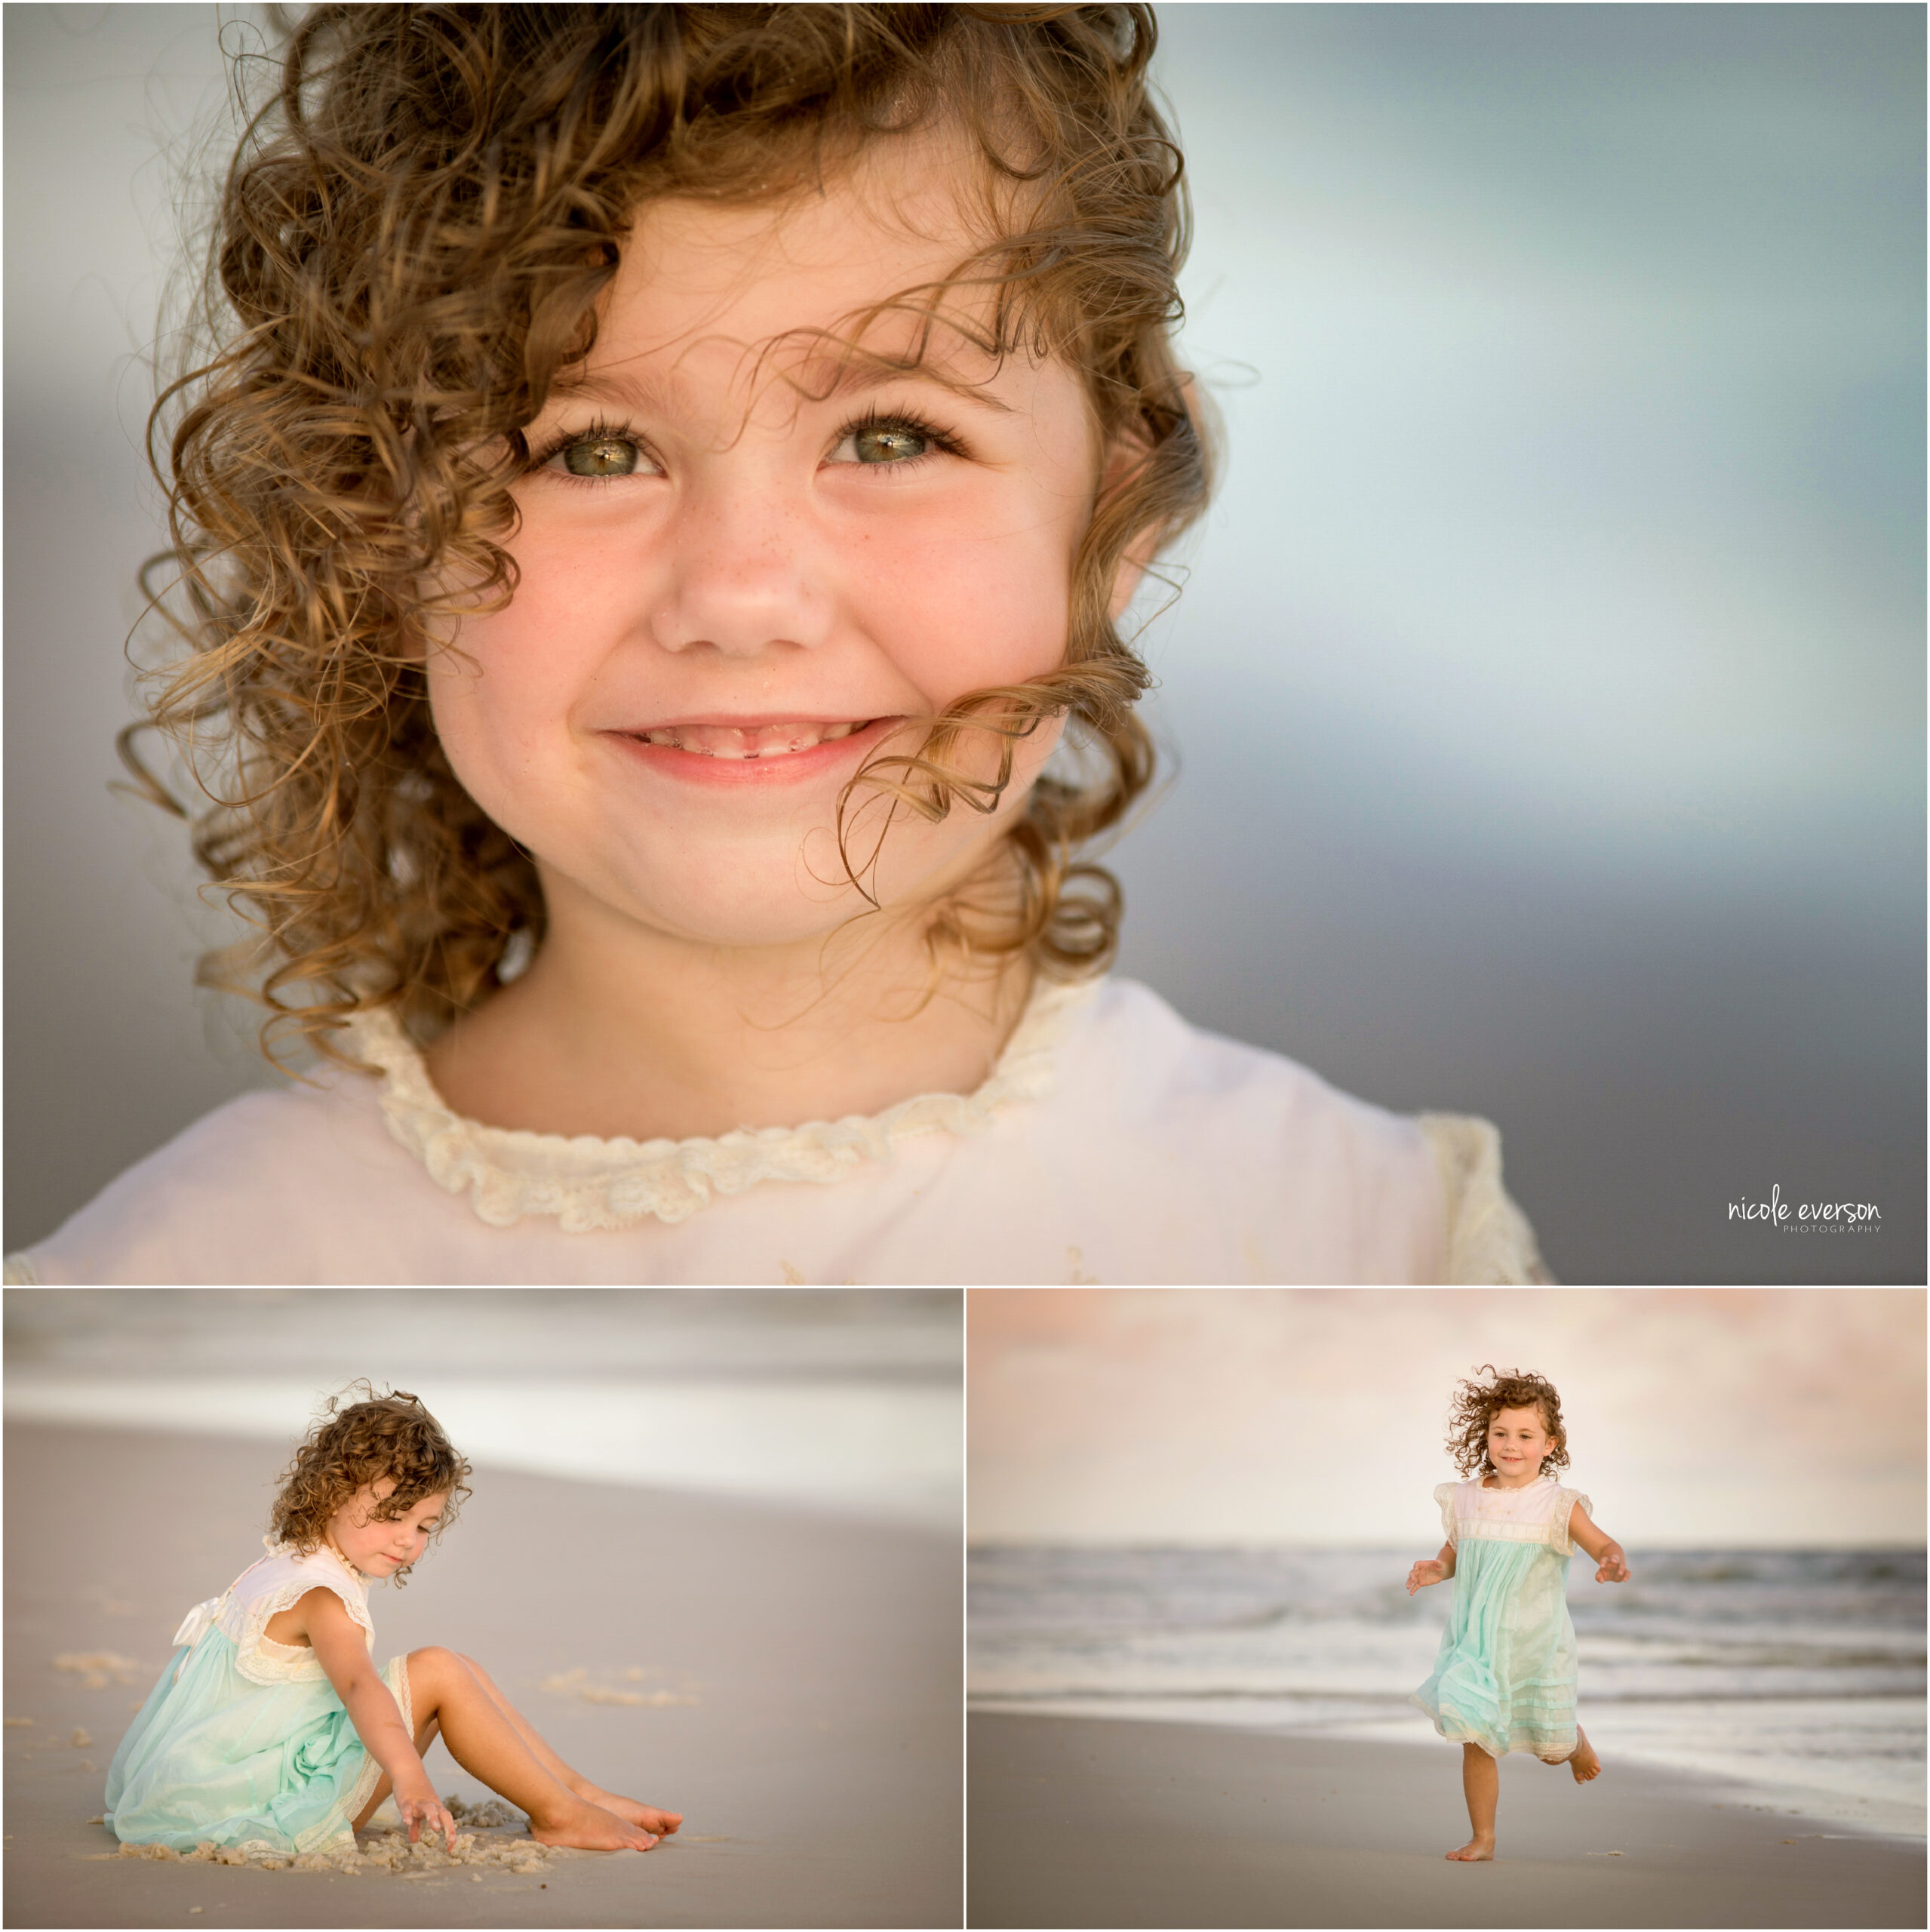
(389, 1435)
(408, 251)
(1476, 1403)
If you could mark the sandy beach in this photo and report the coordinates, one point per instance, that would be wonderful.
(1078, 1822)
(802, 1669)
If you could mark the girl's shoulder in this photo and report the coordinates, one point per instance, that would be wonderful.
(279, 1582)
(1435, 1178)
(287, 1566)
(249, 1192)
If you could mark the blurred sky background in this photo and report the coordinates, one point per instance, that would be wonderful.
(1547, 688)
(846, 1399)
(1697, 1419)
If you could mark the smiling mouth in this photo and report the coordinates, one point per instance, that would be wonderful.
(749, 741)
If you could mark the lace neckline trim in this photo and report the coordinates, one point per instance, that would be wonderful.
(276, 1546)
(587, 1182)
(1481, 1485)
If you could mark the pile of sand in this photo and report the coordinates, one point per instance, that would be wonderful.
(94, 1668)
(386, 1851)
(485, 1816)
(575, 1684)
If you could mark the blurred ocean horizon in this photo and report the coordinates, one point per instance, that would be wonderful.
(1799, 1673)
(846, 1401)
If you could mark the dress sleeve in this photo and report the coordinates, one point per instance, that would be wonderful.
(1489, 1242)
(1563, 1543)
(1444, 1496)
(256, 1656)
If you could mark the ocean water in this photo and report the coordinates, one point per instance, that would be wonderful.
(852, 1402)
(1800, 1672)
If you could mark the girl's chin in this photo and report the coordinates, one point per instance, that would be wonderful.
(689, 911)
(773, 884)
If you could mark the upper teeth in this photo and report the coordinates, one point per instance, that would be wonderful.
(757, 741)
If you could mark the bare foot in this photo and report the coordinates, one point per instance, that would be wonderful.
(1584, 1764)
(590, 1828)
(647, 1816)
(1475, 1850)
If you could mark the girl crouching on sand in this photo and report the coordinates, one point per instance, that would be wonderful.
(1504, 1678)
(271, 1724)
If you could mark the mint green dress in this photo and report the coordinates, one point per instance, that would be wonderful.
(242, 1741)
(1504, 1676)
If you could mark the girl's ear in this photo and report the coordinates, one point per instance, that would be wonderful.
(1131, 569)
(1126, 454)
(1128, 450)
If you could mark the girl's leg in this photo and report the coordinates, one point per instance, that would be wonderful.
(484, 1742)
(1582, 1761)
(647, 1816)
(1481, 1785)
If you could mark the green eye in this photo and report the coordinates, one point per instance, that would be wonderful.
(600, 456)
(888, 442)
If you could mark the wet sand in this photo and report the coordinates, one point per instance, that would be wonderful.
(800, 1674)
(1079, 1822)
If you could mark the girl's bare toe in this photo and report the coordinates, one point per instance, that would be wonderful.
(645, 1817)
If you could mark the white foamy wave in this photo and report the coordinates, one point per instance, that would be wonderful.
(1795, 1671)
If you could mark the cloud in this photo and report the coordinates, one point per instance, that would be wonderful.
(1696, 1417)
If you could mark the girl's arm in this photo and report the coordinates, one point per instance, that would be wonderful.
(1602, 1547)
(1431, 1570)
(339, 1649)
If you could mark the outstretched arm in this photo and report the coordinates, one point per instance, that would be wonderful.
(1602, 1547)
(1435, 1569)
(340, 1650)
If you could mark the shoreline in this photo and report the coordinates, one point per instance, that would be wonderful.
(792, 1669)
(1870, 1813)
(1115, 1822)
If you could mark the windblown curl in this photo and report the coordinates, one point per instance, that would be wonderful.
(1477, 1403)
(391, 1435)
(408, 251)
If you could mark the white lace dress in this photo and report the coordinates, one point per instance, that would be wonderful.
(1113, 1142)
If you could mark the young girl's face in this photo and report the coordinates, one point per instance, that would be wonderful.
(1517, 1440)
(745, 558)
(379, 1548)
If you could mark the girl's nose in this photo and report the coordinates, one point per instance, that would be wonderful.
(746, 575)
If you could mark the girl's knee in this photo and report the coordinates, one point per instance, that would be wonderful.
(432, 1666)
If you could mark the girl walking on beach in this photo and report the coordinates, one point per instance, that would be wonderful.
(270, 1727)
(1504, 1678)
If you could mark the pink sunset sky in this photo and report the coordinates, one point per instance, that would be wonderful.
(1697, 1417)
